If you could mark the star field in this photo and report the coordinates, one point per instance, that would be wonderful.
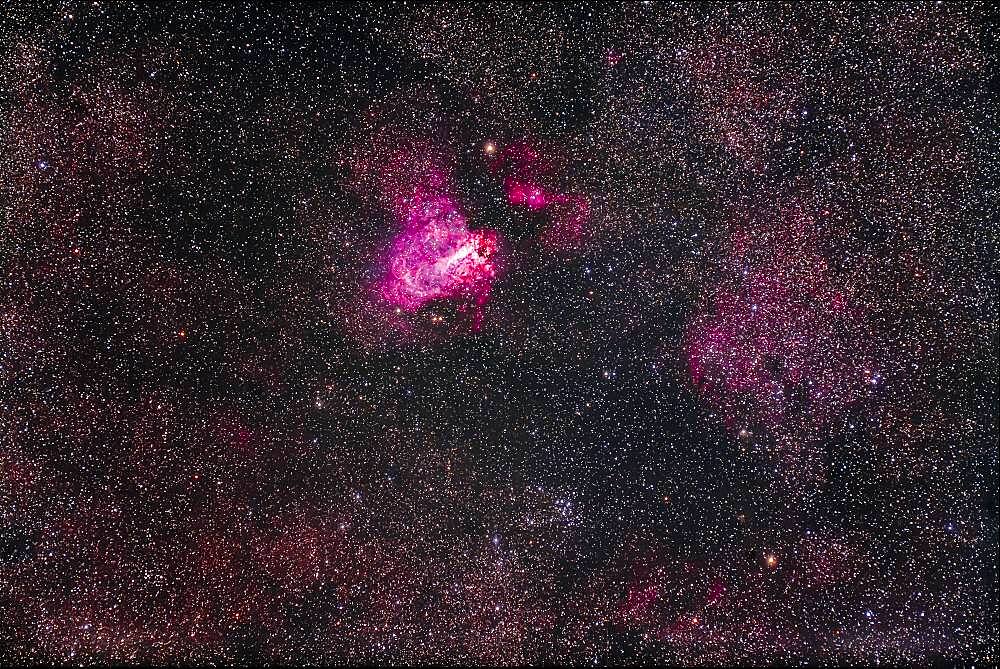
(494, 334)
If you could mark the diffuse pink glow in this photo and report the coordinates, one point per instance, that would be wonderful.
(570, 223)
(438, 257)
(569, 213)
(529, 195)
(434, 254)
(781, 339)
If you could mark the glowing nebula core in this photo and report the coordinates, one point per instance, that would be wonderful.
(436, 256)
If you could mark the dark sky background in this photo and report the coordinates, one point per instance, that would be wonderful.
(498, 333)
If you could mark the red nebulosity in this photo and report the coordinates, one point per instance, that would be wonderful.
(525, 171)
(569, 227)
(523, 159)
(415, 174)
(672, 599)
(638, 602)
(530, 195)
(781, 344)
(716, 591)
(527, 184)
(436, 257)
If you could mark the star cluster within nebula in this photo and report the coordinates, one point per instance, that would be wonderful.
(494, 334)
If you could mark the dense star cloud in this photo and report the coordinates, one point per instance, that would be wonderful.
(498, 333)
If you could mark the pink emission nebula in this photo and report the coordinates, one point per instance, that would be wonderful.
(436, 256)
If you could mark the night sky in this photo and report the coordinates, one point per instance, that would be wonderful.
(498, 334)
